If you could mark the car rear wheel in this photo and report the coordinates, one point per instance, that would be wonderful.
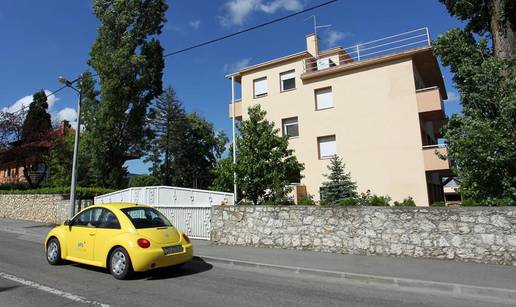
(120, 264)
(53, 251)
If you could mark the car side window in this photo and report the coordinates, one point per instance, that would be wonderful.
(88, 218)
(108, 220)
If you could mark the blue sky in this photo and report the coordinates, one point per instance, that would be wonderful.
(42, 40)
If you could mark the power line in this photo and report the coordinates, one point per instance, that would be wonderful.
(47, 95)
(216, 39)
(249, 29)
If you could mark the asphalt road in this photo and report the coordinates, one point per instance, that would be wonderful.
(27, 280)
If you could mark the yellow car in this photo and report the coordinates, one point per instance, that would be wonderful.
(123, 238)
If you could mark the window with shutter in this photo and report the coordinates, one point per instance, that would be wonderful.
(327, 146)
(290, 127)
(288, 80)
(260, 87)
(323, 98)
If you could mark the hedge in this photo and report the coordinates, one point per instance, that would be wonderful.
(82, 192)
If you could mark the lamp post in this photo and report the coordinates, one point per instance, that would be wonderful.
(73, 188)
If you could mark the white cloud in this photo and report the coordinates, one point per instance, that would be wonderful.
(24, 102)
(453, 97)
(236, 11)
(233, 67)
(195, 24)
(68, 114)
(333, 37)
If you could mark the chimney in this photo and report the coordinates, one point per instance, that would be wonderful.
(312, 44)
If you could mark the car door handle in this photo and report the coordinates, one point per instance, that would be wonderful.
(92, 233)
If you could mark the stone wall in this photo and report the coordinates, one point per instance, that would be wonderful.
(478, 234)
(46, 208)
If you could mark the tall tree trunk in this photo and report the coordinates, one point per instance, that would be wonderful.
(504, 37)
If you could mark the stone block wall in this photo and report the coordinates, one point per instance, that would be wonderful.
(46, 208)
(478, 234)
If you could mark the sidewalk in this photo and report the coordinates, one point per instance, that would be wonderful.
(438, 275)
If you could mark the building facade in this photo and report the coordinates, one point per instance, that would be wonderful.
(379, 108)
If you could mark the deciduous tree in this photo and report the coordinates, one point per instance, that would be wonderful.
(129, 61)
(265, 165)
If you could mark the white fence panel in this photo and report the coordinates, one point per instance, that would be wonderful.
(188, 209)
(195, 222)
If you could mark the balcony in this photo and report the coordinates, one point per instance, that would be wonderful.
(387, 48)
(429, 100)
(431, 159)
(238, 109)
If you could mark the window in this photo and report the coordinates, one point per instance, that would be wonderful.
(327, 147)
(108, 220)
(325, 63)
(290, 126)
(323, 98)
(288, 80)
(88, 218)
(144, 217)
(260, 87)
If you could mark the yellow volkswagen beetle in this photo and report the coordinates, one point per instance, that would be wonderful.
(123, 238)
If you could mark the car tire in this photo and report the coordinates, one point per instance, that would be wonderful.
(120, 265)
(53, 252)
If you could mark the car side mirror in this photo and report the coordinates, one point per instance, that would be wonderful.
(67, 223)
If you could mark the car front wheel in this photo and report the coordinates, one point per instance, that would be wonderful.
(53, 251)
(120, 264)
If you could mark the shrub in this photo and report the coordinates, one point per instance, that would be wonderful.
(470, 203)
(438, 204)
(244, 203)
(306, 201)
(143, 181)
(349, 201)
(377, 201)
(407, 202)
(82, 192)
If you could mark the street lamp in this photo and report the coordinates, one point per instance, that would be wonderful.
(73, 188)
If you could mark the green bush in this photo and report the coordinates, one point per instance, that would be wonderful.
(82, 192)
(470, 203)
(143, 181)
(306, 201)
(377, 201)
(349, 201)
(438, 204)
(407, 202)
(244, 203)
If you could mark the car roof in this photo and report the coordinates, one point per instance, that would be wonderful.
(118, 205)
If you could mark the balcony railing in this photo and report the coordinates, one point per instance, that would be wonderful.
(372, 49)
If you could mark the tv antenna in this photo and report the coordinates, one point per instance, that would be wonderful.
(315, 24)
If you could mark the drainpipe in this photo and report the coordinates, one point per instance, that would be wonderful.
(235, 195)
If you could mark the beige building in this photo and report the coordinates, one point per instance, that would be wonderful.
(378, 105)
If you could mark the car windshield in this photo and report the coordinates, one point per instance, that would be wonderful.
(144, 217)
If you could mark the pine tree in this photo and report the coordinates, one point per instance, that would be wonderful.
(183, 148)
(339, 184)
(37, 120)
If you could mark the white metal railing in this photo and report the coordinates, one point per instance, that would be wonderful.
(368, 50)
(442, 145)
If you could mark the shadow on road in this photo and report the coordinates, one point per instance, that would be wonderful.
(195, 266)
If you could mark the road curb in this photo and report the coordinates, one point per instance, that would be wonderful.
(397, 282)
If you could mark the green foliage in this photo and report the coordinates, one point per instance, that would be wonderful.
(82, 192)
(37, 120)
(407, 202)
(348, 201)
(265, 166)
(497, 17)
(143, 181)
(183, 148)
(469, 203)
(368, 199)
(306, 201)
(482, 139)
(438, 204)
(129, 61)
(339, 184)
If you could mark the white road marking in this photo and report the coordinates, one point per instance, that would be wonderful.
(64, 294)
